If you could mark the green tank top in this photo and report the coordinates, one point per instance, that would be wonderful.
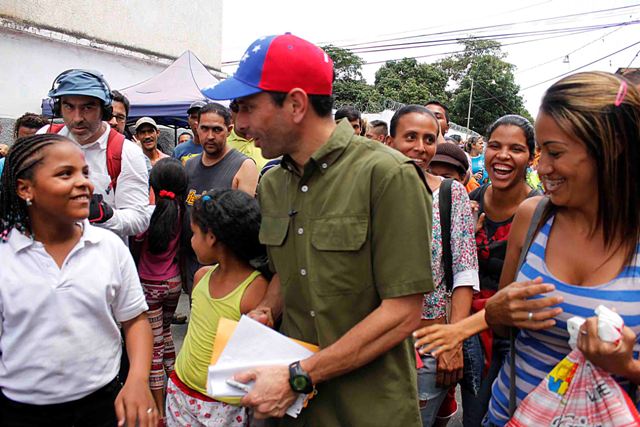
(193, 360)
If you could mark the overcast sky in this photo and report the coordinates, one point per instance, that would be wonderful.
(346, 22)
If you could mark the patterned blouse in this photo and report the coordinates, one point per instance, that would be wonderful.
(465, 259)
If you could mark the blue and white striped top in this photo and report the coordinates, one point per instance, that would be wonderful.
(537, 352)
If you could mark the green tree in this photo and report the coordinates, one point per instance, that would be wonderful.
(349, 87)
(410, 82)
(495, 92)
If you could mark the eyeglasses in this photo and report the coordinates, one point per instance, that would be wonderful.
(120, 117)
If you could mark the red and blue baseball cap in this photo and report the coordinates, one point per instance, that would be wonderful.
(278, 64)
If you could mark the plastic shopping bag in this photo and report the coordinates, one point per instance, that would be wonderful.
(576, 393)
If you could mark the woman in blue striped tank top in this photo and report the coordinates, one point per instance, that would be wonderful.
(585, 253)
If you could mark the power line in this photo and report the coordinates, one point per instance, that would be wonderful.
(554, 33)
(571, 71)
(481, 48)
(487, 27)
(633, 59)
(484, 18)
(570, 53)
(498, 36)
(582, 66)
(490, 94)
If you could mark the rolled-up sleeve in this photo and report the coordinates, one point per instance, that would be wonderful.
(401, 234)
(130, 215)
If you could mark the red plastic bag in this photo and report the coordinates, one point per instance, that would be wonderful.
(576, 393)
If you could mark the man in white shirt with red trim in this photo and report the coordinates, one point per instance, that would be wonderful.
(83, 99)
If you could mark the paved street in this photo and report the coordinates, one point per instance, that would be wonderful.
(179, 331)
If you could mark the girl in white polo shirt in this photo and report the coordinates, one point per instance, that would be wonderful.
(64, 285)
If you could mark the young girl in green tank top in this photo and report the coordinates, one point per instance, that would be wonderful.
(225, 225)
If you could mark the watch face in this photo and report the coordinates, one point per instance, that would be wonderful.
(299, 382)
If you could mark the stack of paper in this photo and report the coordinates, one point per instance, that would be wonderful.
(247, 344)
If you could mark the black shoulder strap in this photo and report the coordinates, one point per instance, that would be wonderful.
(534, 226)
(444, 201)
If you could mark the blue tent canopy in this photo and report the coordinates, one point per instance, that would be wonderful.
(166, 96)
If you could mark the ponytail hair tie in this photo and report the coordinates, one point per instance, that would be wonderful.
(622, 92)
(167, 194)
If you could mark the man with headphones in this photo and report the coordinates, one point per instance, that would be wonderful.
(117, 167)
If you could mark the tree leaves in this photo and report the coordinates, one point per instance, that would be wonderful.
(448, 80)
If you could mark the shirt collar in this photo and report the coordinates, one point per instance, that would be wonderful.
(329, 152)
(19, 241)
(101, 142)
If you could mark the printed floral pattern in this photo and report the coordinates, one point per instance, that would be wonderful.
(186, 411)
(462, 242)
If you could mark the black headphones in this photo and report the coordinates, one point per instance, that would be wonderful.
(107, 108)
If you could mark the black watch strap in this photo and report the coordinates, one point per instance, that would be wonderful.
(299, 379)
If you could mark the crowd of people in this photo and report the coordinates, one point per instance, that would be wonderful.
(394, 247)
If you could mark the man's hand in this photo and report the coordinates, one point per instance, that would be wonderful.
(450, 367)
(271, 394)
(99, 210)
(133, 403)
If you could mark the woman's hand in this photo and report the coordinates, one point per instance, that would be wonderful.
(614, 358)
(512, 306)
(475, 211)
(438, 339)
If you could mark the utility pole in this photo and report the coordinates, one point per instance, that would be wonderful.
(470, 101)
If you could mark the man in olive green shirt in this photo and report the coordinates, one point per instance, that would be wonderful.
(347, 223)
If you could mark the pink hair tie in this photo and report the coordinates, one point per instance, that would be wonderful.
(168, 194)
(622, 92)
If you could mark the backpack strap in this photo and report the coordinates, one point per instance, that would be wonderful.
(55, 127)
(534, 227)
(115, 143)
(444, 200)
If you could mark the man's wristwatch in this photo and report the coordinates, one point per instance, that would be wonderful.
(299, 380)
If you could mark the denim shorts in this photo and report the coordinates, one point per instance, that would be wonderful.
(430, 395)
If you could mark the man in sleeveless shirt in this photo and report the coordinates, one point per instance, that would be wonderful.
(217, 167)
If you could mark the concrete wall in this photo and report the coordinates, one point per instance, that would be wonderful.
(167, 27)
(29, 65)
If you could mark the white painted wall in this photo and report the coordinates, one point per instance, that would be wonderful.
(168, 27)
(28, 65)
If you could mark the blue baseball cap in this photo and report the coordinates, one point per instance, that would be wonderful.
(278, 64)
(81, 82)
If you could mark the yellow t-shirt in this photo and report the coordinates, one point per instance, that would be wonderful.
(193, 360)
(248, 148)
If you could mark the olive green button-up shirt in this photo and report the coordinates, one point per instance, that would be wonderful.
(352, 230)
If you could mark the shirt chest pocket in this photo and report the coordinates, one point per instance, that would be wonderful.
(340, 261)
(273, 233)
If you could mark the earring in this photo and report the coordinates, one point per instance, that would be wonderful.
(28, 202)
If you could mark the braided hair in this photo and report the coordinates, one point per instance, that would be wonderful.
(20, 163)
(234, 218)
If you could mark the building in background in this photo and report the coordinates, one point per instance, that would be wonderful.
(128, 41)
